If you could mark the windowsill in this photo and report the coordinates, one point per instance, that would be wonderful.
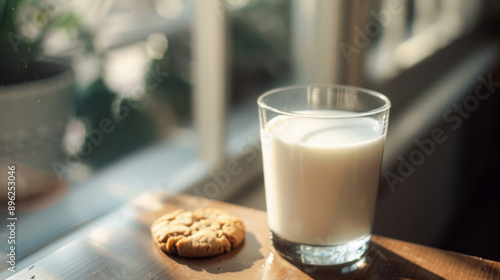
(172, 165)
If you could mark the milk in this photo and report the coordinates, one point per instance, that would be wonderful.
(321, 177)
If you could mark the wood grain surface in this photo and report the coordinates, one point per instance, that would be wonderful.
(120, 247)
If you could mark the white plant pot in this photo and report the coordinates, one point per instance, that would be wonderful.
(33, 120)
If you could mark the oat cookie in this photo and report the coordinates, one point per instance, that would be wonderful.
(199, 233)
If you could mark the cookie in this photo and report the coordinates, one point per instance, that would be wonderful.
(199, 233)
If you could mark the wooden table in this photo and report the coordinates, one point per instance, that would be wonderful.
(120, 247)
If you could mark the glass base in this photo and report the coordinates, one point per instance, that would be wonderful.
(343, 254)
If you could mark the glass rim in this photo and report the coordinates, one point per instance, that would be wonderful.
(386, 106)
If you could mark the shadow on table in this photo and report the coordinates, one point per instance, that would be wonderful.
(241, 258)
(380, 264)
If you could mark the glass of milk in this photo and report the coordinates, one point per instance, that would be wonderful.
(322, 150)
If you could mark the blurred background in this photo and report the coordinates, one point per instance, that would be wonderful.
(101, 101)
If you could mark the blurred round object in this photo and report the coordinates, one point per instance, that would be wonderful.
(169, 9)
(237, 4)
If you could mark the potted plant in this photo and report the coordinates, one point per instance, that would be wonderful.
(36, 96)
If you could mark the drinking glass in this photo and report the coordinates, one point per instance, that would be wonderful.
(322, 151)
